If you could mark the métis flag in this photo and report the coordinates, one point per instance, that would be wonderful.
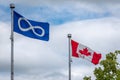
(30, 28)
(82, 51)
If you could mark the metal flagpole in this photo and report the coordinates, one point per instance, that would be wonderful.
(12, 6)
(69, 39)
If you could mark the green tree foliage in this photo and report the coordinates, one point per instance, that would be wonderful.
(109, 70)
(87, 78)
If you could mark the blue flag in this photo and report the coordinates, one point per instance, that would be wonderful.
(29, 28)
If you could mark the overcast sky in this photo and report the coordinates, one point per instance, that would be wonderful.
(93, 23)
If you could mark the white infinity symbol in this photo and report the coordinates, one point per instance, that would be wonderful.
(31, 27)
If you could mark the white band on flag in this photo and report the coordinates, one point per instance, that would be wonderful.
(31, 27)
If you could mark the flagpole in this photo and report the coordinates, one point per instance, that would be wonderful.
(12, 6)
(69, 59)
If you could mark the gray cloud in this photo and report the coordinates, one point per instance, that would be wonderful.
(57, 4)
(63, 11)
(40, 2)
(36, 59)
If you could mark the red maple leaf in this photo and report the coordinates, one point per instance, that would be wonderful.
(85, 52)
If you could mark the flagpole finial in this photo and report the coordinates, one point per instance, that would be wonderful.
(12, 5)
(69, 35)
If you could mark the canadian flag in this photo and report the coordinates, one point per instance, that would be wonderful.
(82, 51)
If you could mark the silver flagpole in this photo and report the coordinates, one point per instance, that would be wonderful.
(69, 39)
(12, 6)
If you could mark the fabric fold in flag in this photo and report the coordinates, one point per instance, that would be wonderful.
(82, 51)
(30, 28)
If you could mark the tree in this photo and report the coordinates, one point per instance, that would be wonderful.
(109, 70)
(87, 78)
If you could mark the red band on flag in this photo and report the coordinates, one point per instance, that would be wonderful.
(74, 48)
(96, 57)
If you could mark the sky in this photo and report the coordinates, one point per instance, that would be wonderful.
(94, 23)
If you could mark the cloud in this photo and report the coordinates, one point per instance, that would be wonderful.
(49, 60)
(56, 2)
(92, 30)
(36, 59)
(73, 5)
(62, 11)
(76, 5)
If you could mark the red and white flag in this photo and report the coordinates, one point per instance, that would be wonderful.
(82, 51)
